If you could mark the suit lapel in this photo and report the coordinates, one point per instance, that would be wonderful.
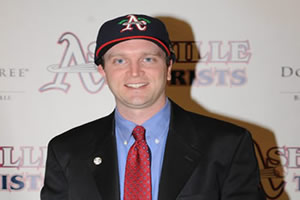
(182, 155)
(106, 174)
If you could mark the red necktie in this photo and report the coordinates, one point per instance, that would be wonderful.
(138, 172)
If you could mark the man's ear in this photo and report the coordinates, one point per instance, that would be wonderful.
(169, 76)
(101, 70)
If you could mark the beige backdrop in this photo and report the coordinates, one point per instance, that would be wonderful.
(236, 60)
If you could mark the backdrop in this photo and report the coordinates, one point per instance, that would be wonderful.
(236, 60)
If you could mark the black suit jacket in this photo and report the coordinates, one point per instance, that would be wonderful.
(205, 159)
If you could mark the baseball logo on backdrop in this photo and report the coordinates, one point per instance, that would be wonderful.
(75, 60)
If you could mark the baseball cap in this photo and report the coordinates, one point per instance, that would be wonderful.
(132, 26)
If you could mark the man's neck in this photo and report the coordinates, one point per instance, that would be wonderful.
(139, 115)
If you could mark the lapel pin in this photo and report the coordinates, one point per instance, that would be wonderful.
(97, 160)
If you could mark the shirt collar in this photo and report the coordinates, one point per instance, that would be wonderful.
(154, 126)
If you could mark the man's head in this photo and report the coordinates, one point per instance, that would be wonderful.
(134, 49)
(130, 27)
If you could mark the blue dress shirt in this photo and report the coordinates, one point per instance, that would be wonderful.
(157, 128)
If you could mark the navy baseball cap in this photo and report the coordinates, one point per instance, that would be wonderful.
(130, 27)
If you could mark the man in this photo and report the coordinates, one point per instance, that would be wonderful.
(148, 148)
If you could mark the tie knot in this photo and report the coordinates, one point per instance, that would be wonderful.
(139, 133)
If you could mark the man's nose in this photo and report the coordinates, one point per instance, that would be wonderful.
(136, 69)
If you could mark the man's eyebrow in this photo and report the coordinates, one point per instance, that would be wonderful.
(155, 53)
(109, 56)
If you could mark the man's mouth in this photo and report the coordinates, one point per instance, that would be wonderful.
(135, 85)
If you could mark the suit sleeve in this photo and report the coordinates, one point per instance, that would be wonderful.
(55, 183)
(242, 178)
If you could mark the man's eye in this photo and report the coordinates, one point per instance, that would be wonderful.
(119, 61)
(148, 59)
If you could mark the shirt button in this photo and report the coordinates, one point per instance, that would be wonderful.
(125, 142)
(156, 141)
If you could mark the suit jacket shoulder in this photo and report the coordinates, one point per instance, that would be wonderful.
(77, 142)
(201, 127)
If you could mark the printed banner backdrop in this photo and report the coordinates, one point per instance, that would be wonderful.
(236, 60)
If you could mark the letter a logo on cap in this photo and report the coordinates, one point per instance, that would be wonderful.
(133, 20)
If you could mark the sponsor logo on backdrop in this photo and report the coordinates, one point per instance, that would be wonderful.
(8, 74)
(11, 72)
(291, 73)
(221, 63)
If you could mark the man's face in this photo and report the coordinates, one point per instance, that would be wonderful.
(136, 72)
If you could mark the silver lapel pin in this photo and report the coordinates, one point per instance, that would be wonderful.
(97, 160)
